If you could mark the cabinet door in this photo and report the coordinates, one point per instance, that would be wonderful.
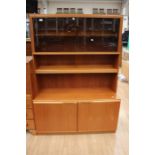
(99, 116)
(53, 118)
(58, 34)
(101, 34)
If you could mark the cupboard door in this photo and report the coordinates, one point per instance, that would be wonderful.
(99, 116)
(52, 118)
(76, 34)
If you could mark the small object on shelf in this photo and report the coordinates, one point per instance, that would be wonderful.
(95, 11)
(115, 11)
(44, 10)
(91, 39)
(39, 10)
(79, 11)
(66, 10)
(59, 10)
(109, 11)
(41, 20)
(72, 10)
(101, 11)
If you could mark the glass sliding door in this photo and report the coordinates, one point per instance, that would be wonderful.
(75, 34)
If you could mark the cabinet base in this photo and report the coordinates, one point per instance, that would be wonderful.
(33, 132)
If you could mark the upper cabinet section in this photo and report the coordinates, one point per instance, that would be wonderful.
(75, 34)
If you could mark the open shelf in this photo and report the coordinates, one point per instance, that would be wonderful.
(76, 69)
(77, 33)
(72, 95)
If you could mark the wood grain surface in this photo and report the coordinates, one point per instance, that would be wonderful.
(98, 116)
(55, 117)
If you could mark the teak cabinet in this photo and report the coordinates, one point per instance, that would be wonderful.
(76, 61)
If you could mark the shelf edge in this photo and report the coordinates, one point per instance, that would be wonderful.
(76, 53)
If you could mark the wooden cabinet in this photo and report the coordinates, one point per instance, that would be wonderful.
(76, 61)
(98, 116)
(56, 117)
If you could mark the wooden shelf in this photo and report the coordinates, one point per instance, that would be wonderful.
(74, 95)
(76, 53)
(76, 69)
(82, 33)
(75, 15)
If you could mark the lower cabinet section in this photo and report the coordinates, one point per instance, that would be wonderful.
(52, 118)
(100, 116)
(76, 117)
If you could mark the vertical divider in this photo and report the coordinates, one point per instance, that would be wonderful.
(32, 35)
(120, 40)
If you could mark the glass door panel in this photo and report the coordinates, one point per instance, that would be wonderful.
(102, 34)
(75, 34)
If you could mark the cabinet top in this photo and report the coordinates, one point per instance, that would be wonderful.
(74, 15)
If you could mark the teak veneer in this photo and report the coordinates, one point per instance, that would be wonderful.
(65, 95)
(76, 69)
(76, 60)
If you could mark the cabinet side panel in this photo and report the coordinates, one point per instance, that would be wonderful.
(120, 41)
(32, 35)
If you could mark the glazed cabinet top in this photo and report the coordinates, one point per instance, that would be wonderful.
(75, 33)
